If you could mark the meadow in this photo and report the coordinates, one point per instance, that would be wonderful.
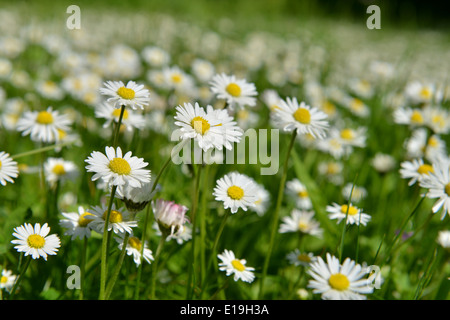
(357, 122)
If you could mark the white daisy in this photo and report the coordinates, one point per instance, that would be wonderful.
(76, 224)
(176, 79)
(205, 127)
(130, 119)
(438, 185)
(35, 241)
(59, 170)
(383, 162)
(7, 280)
(353, 137)
(298, 258)
(262, 200)
(115, 169)
(236, 92)
(419, 145)
(236, 267)
(119, 219)
(132, 95)
(237, 191)
(415, 170)
(417, 92)
(231, 133)
(43, 126)
(170, 216)
(437, 119)
(136, 198)
(357, 193)
(412, 117)
(297, 191)
(8, 168)
(155, 56)
(339, 282)
(291, 116)
(184, 234)
(301, 221)
(134, 248)
(357, 107)
(354, 214)
(332, 170)
(444, 238)
(202, 69)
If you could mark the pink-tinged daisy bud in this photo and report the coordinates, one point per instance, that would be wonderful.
(170, 216)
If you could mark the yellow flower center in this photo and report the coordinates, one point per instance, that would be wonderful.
(438, 120)
(425, 169)
(3, 279)
(425, 93)
(416, 117)
(0, 164)
(176, 78)
(433, 142)
(235, 192)
(83, 221)
(351, 211)
(338, 281)
(44, 117)
(35, 241)
(116, 113)
(347, 134)
(114, 217)
(356, 104)
(332, 168)
(274, 107)
(303, 257)
(200, 125)
(135, 243)
(126, 93)
(303, 226)
(329, 108)
(237, 265)
(233, 89)
(302, 115)
(447, 189)
(59, 170)
(61, 134)
(120, 166)
(302, 194)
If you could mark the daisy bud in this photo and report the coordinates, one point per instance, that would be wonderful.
(170, 216)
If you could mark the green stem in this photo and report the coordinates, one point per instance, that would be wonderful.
(162, 240)
(19, 278)
(117, 130)
(276, 215)
(105, 244)
(39, 150)
(190, 289)
(114, 276)
(83, 267)
(144, 235)
(344, 228)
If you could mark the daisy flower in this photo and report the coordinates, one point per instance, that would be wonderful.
(115, 169)
(357, 107)
(231, 132)
(383, 162)
(412, 117)
(301, 221)
(421, 145)
(59, 170)
(444, 238)
(231, 265)
(438, 185)
(236, 92)
(170, 216)
(176, 79)
(354, 216)
(237, 191)
(111, 114)
(35, 241)
(43, 126)
(339, 282)
(357, 193)
(119, 219)
(195, 123)
(298, 258)
(415, 170)
(262, 200)
(418, 93)
(155, 56)
(353, 137)
(132, 95)
(136, 198)
(291, 115)
(77, 224)
(332, 170)
(134, 248)
(7, 280)
(297, 191)
(8, 168)
(183, 235)
(437, 119)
